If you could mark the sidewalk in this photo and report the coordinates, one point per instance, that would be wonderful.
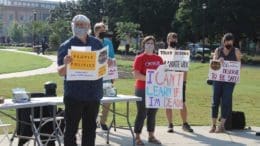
(200, 137)
(50, 69)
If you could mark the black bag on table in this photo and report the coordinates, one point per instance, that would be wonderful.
(235, 121)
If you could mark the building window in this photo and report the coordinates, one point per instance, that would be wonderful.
(11, 17)
(21, 18)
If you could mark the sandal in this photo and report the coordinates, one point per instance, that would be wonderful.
(213, 129)
(220, 129)
(154, 140)
(139, 142)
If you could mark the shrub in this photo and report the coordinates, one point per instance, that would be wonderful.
(54, 41)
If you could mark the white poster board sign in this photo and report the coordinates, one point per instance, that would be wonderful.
(177, 60)
(228, 71)
(87, 64)
(112, 70)
(164, 89)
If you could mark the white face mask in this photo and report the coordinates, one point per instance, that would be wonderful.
(80, 32)
(149, 48)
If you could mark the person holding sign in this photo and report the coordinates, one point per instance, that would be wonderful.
(222, 91)
(144, 61)
(100, 33)
(172, 41)
(81, 97)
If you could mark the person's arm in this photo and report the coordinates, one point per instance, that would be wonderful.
(62, 69)
(137, 67)
(215, 56)
(238, 54)
(138, 75)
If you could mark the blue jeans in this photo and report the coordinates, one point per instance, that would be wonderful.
(222, 94)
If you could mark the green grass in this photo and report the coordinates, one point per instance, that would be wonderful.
(246, 95)
(16, 62)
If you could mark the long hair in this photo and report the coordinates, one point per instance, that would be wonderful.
(227, 37)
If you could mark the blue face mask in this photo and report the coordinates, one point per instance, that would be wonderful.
(80, 32)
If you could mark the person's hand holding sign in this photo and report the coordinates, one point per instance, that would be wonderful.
(67, 60)
(62, 69)
(221, 60)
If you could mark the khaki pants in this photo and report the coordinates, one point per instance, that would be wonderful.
(104, 113)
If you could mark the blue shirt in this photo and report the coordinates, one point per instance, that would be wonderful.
(107, 42)
(80, 90)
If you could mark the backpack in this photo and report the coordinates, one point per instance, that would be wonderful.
(236, 120)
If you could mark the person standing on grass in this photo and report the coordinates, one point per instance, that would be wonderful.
(142, 62)
(222, 91)
(100, 30)
(81, 98)
(172, 41)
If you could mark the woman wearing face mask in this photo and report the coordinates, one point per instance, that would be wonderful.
(144, 61)
(222, 91)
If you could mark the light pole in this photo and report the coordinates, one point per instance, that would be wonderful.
(34, 20)
(204, 7)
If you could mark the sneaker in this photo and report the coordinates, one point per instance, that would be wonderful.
(104, 127)
(186, 127)
(153, 140)
(170, 128)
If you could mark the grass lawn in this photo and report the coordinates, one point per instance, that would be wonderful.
(16, 62)
(246, 94)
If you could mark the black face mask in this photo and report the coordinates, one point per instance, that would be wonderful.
(173, 44)
(102, 35)
(229, 46)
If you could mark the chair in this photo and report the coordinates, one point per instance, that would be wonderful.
(4, 128)
(45, 121)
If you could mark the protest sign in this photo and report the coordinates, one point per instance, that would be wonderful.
(163, 89)
(177, 60)
(87, 64)
(112, 70)
(228, 71)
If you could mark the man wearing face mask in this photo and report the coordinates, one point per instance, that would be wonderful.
(144, 61)
(81, 98)
(222, 91)
(172, 44)
(100, 33)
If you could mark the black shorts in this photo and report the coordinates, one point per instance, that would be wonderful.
(183, 91)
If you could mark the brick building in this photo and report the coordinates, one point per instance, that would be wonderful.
(23, 11)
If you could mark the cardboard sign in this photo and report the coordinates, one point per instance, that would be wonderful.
(229, 71)
(176, 60)
(163, 89)
(87, 64)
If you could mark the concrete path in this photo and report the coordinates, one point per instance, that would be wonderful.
(50, 69)
(200, 137)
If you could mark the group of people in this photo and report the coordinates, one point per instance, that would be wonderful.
(82, 98)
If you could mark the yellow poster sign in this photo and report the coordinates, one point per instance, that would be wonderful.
(83, 60)
(87, 64)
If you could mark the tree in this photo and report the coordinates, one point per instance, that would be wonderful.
(155, 17)
(37, 28)
(61, 31)
(15, 31)
(183, 21)
(54, 41)
(125, 31)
